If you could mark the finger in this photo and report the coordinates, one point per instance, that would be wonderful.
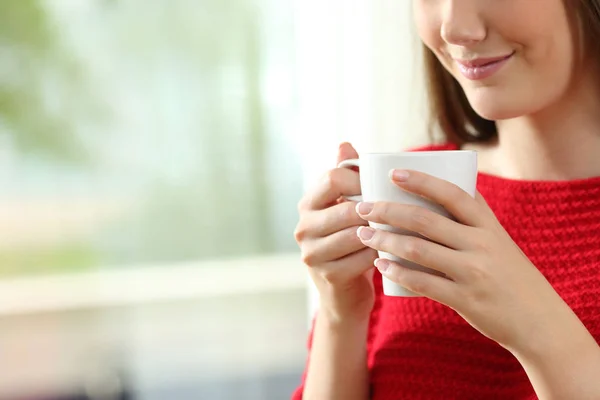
(417, 219)
(435, 287)
(351, 265)
(333, 219)
(455, 200)
(337, 182)
(346, 152)
(330, 248)
(484, 205)
(417, 250)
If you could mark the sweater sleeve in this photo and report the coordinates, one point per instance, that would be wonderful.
(373, 324)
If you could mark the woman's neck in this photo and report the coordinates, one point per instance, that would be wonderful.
(561, 142)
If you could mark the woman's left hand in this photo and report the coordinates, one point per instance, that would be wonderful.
(488, 280)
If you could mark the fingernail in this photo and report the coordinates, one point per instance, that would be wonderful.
(365, 233)
(400, 175)
(364, 208)
(382, 265)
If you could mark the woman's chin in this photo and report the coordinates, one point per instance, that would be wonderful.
(496, 103)
(494, 111)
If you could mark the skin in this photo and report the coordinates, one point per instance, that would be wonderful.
(537, 31)
(490, 283)
(545, 132)
(341, 266)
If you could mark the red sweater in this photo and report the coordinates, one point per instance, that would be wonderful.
(419, 349)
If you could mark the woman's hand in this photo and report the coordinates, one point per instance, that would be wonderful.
(340, 265)
(488, 280)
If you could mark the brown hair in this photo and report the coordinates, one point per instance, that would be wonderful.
(449, 109)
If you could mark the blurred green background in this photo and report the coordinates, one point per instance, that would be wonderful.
(148, 190)
(140, 132)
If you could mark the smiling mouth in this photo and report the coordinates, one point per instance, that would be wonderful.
(482, 68)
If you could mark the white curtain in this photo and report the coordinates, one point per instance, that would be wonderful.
(358, 73)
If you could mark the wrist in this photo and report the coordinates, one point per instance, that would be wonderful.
(334, 319)
(341, 307)
(561, 341)
(563, 363)
(547, 323)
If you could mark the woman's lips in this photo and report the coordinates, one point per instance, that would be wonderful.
(482, 68)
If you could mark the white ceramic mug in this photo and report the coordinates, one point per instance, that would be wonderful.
(458, 167)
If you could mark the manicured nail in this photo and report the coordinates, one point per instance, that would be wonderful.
(400, 175)
(382, 265)
(365, 233)
(364, 208)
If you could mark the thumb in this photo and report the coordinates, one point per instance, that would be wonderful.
(346, 152)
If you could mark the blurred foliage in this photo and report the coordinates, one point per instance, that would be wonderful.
(42, 87)
(67, 257)
(223, 207)
(188, 143)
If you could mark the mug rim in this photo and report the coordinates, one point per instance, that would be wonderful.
(417, 153)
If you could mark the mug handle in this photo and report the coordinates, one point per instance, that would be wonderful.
(353, 162)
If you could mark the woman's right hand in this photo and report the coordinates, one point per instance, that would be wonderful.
(340, 265)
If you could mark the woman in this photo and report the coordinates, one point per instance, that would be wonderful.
(519, 315)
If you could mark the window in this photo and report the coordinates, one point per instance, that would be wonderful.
(151, 157)
(143, 132)
(149, 187)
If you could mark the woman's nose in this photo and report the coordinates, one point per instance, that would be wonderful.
(462, 23)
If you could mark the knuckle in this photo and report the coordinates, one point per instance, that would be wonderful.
(483, 241)
(302, 204)
(482, 245)
(330, 275)
(476, 271)
(308, 258)
(413, 248)
(476, 299)
(419, 286)
(300, 232)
